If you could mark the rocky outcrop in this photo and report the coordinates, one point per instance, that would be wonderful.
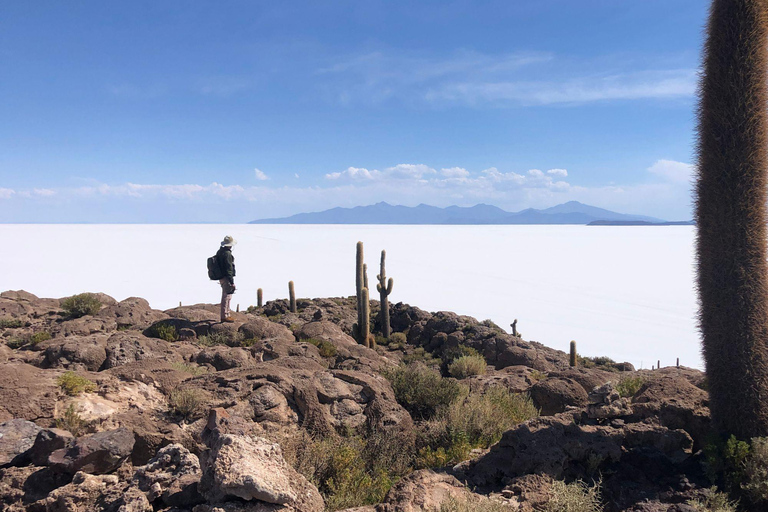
(171, 477)
(553, 396)
(16, 437)
(90, 493)
(28, 393)
(423, 490)
(96, 454)
(130, 346)
(74, 352)
(133, 312)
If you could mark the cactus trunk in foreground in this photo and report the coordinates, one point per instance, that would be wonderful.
(731, 216)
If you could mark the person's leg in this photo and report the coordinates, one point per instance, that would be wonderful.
(225, 297)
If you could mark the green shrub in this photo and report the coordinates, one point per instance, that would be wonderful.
(190, 368)
(398, 338)
(39, 337)
(71, 421)
(164, 331)
(348, 471)
(423, 391)
(574, 497)
(11, 323)
(187, 402)
(714, 502)
(467, 366)
(419, 355)
(629, 386)
(74, 384)
(537, 375)
(326, 348)
(473, 504)
(15, 342)
(213, 339)
(477, 421)
(755, 483)
(80, 305)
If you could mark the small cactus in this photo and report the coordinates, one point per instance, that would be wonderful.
(514, 328)
(678, 363)
(237, 309)
(259, 298)
(384, 288)
(573, 359)
(658, 365)
(292, 296)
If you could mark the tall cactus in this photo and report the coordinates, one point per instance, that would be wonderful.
(365, 320)
(574, 358)
(731, 216)
(259, 298)
(292, 296)
(384, 288)
(365, 276)
(360, 285)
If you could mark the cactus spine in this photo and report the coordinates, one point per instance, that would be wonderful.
(731, 216)
(573, 358)
(292, 296)
(384, 288)
(259, 298)
(365, 320)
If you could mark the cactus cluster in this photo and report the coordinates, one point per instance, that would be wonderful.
(384, 288)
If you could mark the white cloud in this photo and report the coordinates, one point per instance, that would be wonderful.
(296, 175)
(260, 175)
(353, 173)
(558, 172)
(673, 171)
(6, 193)
(455, 172)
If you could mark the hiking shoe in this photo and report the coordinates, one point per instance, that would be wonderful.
(228, 320)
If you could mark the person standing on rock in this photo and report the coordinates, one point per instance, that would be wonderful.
(226, 264)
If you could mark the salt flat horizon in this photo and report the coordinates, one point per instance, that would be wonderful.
(626, 292)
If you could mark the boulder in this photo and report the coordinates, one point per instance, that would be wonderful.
(27, 392)
(423, 490)
(350, 355)
(89, 493)
(48, 441)
(553, 396)
(224, 358)
(83, 326)
(96, 454)
(74, 352)
(253, 469)
(261, 329)
(16, 437)
(130, 346)
(171, 476)
(133, 312)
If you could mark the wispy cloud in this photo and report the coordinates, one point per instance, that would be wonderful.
(673, 171)
(260, 175)
(477, 79)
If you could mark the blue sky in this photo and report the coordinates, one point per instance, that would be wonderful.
(195, 111)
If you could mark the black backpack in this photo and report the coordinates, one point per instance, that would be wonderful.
(214, 271)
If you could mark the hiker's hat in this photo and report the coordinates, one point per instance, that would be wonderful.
(228, 241)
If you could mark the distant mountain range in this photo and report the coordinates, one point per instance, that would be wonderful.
(572, 212)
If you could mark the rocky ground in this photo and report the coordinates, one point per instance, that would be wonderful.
(135, 409)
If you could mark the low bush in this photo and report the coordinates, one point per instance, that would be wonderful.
(326, 348)
(71, 421)
(74, 384)
(755, 481)
(348, 471)
(39, 337)
(422, 391)
(574, 497)
(477, 421)
(190, 368)
(629, 386)
(15, 342)
(714, 502)
(11, 323)
(419, 355)
(236, 339)
(80, 305)
(187, 402)
(163, 331)
(472, 504)
(398, 338)
(467, 366)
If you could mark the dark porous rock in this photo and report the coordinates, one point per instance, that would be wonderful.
(171, 476)
(553, 396)
(224, 358)
(516, 379)
(74, 352)
(16, 437)
(423, 490)
(22, 486)
(91, 493)
(133, 312)
(350, 355)
(588, 378)
(402, 317)
(96, 454)
(130, 346)
(197, 314)
(83, 326)
(27, 392)
(261, 329)
(48, 441)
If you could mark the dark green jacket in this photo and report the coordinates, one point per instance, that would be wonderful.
(226, 263)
